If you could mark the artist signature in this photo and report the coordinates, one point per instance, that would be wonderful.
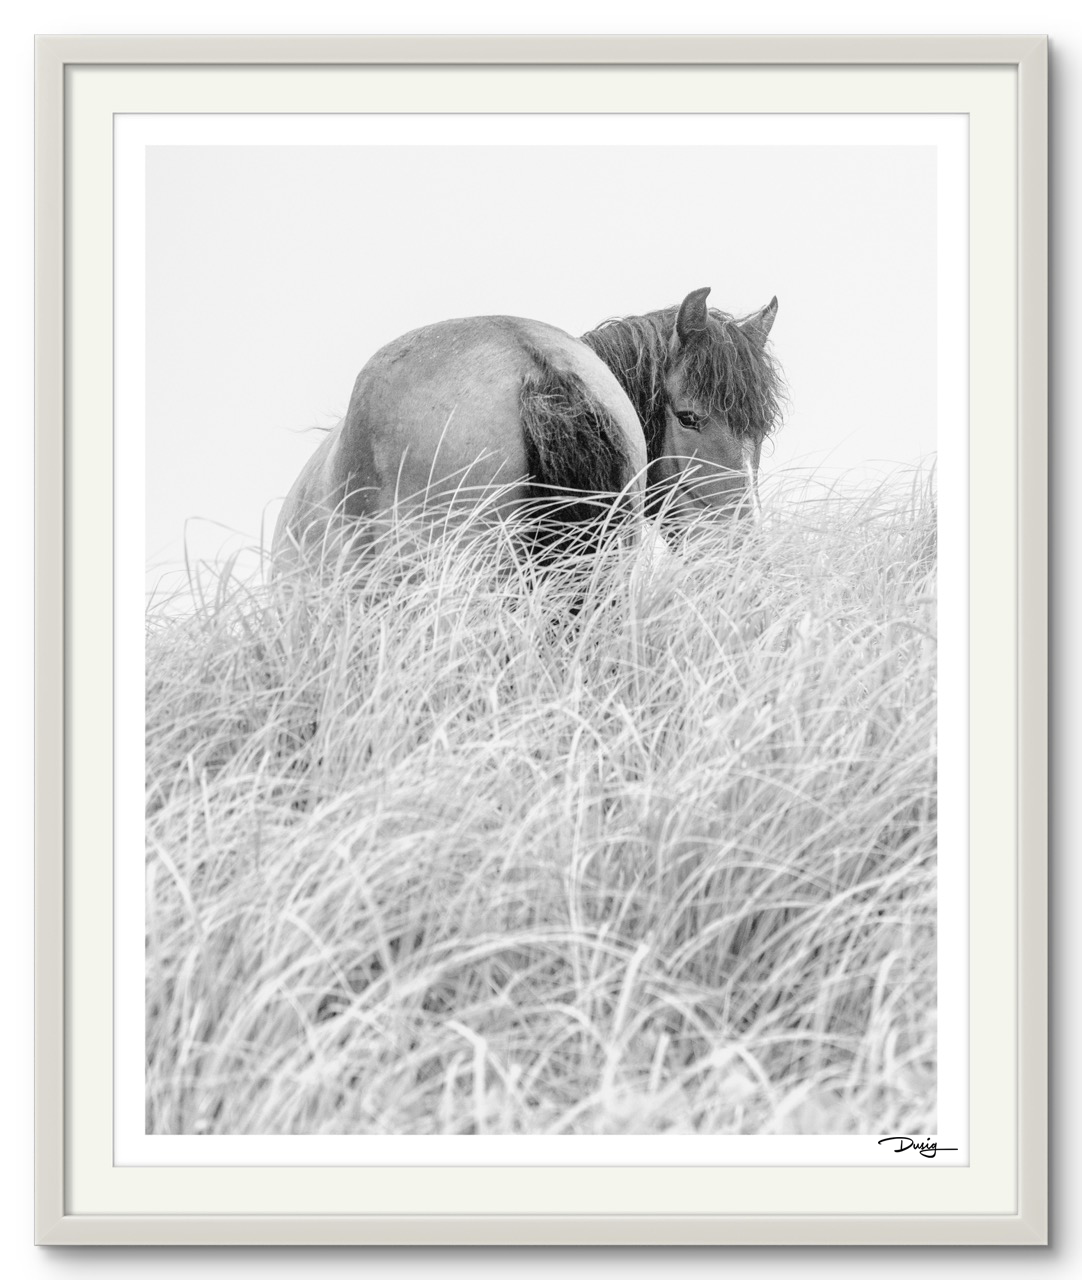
(927, 1148)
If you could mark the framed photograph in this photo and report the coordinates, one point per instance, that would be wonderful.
(541, 683)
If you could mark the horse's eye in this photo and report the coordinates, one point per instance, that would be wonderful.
(688, 419)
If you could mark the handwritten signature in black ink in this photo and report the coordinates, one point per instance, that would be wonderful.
(927, 1148)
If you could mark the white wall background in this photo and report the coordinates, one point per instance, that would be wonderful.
(1063, 20)
(273, 273)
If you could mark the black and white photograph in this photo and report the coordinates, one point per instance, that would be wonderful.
(547, 544)
(532, 532)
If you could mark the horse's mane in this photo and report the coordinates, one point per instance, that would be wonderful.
(726, 370)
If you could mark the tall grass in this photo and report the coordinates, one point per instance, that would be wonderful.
(451, 847)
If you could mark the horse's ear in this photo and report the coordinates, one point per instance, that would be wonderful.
(691, 319)
(758, 326)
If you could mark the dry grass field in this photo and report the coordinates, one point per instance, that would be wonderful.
(448, 848)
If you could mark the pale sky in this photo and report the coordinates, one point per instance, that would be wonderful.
(273, 273)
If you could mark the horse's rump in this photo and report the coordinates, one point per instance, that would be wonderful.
(487, 416)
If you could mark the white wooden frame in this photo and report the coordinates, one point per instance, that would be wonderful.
(73, 632)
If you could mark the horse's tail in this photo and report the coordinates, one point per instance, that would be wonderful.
(576, 452)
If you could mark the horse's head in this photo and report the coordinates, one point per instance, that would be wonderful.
(722, 391)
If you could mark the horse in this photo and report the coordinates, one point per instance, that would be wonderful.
(665, 411)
